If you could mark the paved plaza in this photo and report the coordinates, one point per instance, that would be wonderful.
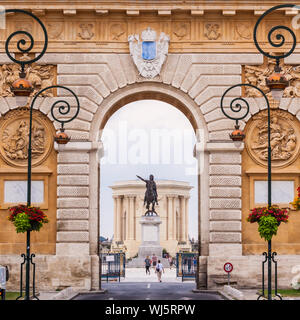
(149, 291)
(139, 275)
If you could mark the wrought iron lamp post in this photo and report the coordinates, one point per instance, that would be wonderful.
(22, 89)
(276, 83)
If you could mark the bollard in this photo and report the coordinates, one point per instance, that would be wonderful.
(3, 278)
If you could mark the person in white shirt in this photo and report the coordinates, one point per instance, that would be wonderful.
(159, 270)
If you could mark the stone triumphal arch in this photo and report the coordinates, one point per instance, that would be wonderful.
(209, 49)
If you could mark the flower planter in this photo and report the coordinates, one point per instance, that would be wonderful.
(296, 202)
(27, 218)
(268, 219)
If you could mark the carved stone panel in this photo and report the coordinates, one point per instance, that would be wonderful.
(284, 138)
(256, 75)
(117, 31)
(14, 138)
(181, 30)
(40, 76)
(243, 30)
(212, 31)
(86, 31)
(55, 30)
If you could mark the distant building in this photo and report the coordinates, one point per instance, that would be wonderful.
(173, 209)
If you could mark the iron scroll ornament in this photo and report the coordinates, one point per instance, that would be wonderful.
(238, 106)
(23, 42)
(280, 37)
(64, 108)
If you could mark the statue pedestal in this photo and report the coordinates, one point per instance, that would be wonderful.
(150, 242)
(150, 237)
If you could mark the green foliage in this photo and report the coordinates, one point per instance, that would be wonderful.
(22, 223)
(268, 227)
(36, 225)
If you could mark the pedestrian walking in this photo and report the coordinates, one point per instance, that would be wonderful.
(147, 265)
(170, 261)
(154, 260)
(159, 270)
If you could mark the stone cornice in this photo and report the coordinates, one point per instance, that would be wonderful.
(104, 26)
(196, 6)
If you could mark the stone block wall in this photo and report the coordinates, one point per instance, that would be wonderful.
(195, 83)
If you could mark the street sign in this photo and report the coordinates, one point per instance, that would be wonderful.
(228, 267)
(110, 258)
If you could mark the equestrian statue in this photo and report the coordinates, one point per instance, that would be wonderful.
(150, 195)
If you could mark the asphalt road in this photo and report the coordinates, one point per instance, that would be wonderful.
(149, 291)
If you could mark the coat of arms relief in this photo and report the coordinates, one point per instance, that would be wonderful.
(284, 138)
(149, 54)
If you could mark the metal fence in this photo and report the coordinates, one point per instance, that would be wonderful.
(112, 266)
(186, 265)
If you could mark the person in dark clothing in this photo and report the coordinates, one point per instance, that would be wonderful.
(147, 264)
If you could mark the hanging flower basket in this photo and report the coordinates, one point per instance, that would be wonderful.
(268, 219)
(296, 202)
(27, 218)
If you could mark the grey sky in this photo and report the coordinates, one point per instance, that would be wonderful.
(144, 137)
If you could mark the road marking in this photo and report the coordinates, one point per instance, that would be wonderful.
(148, 286)
(111, 298)
(186, 298)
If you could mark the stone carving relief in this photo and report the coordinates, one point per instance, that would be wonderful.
(24, 26)
(55, 29)
(181, 30)
(14, 137)
(41, 76)
(243, 30)
(284, 138)
(116, 31)
(86, 32)
(256, 75)
(212, 31)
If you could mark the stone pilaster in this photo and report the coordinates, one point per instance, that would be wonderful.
(119, 219)
(127, 217)
(116, 222)
(186, 215)
(131, 218)
(170, 218)
(225, 199)
(174, 218)
(73, 199)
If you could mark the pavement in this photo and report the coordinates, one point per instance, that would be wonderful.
(139, 275)
(251, 294)
(149, 291)
(137, 284)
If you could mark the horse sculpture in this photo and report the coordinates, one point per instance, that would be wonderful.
(150, 195)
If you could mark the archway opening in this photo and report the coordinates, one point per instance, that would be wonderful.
(141, 137)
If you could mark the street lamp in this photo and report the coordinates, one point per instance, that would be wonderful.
(22, 89)
(276, 83)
